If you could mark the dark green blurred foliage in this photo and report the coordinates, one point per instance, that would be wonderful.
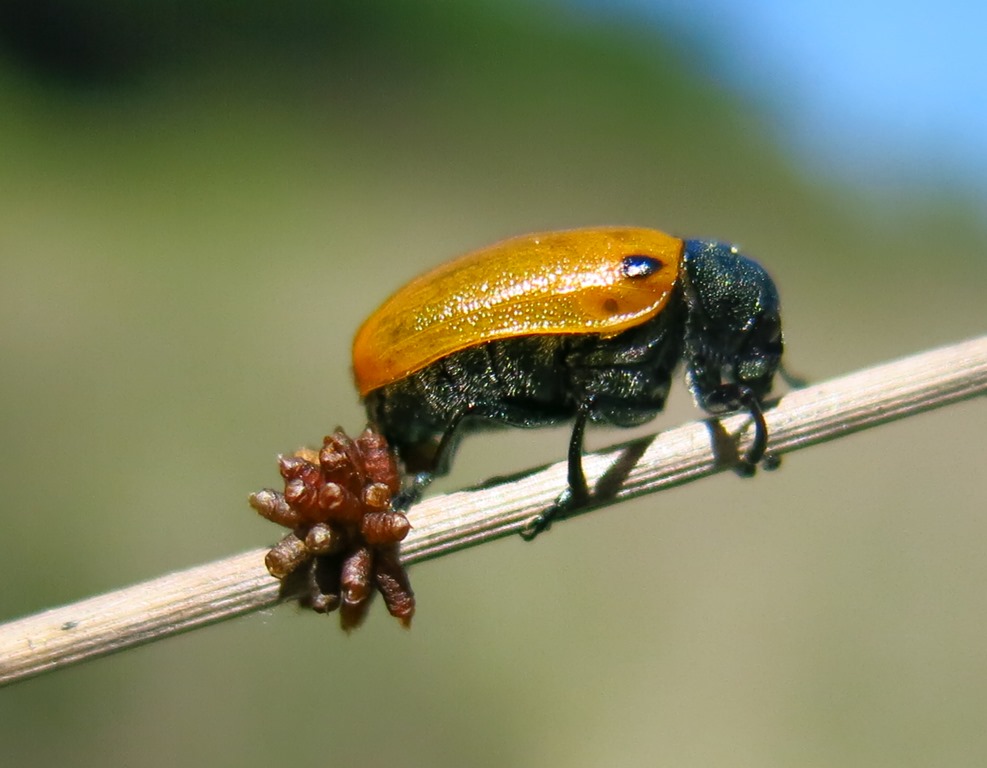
(199, 202)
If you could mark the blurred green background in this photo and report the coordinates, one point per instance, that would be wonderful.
(198, 205)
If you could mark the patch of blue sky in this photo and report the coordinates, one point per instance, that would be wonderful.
(880, 92)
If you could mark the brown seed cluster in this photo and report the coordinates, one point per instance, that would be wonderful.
(344, 534)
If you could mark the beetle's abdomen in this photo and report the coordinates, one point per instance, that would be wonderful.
(530, 381)
(513, 382)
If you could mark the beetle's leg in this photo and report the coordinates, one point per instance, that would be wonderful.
(760, 442)
(411, 495)
(576, 493)
(443, 453)
(733, 397)
(794, 380)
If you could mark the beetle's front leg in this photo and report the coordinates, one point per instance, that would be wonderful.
(735, 397)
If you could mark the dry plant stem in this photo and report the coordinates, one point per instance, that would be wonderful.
(240, 584)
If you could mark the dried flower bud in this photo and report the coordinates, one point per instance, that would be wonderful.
(323, 594)
(352, 615)
(384, 528)
(291, 466)
(304, 499)
(272, 505)
(355, 575)
(379, 462)
(338, 504)
(376, 497)
(338, 500)
(308, 455)
(340, 461)
(286, 556)
(322, 603)
(392, 580)
(323, 539)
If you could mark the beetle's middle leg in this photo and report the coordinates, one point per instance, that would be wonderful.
(576, 493)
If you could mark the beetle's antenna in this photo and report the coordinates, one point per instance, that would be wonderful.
(793, 380)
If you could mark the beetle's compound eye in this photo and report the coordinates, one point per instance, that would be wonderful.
(640, 266)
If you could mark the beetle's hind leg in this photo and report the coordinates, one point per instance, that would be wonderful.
(576, 493)
(408, 497)
(437, 465)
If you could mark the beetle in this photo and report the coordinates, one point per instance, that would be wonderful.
(582, 325)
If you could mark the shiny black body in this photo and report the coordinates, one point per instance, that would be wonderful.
(530, 381)
(722, 320)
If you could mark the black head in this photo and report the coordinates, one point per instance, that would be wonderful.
(733, 331)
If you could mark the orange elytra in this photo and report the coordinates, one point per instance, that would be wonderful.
(569, 282)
